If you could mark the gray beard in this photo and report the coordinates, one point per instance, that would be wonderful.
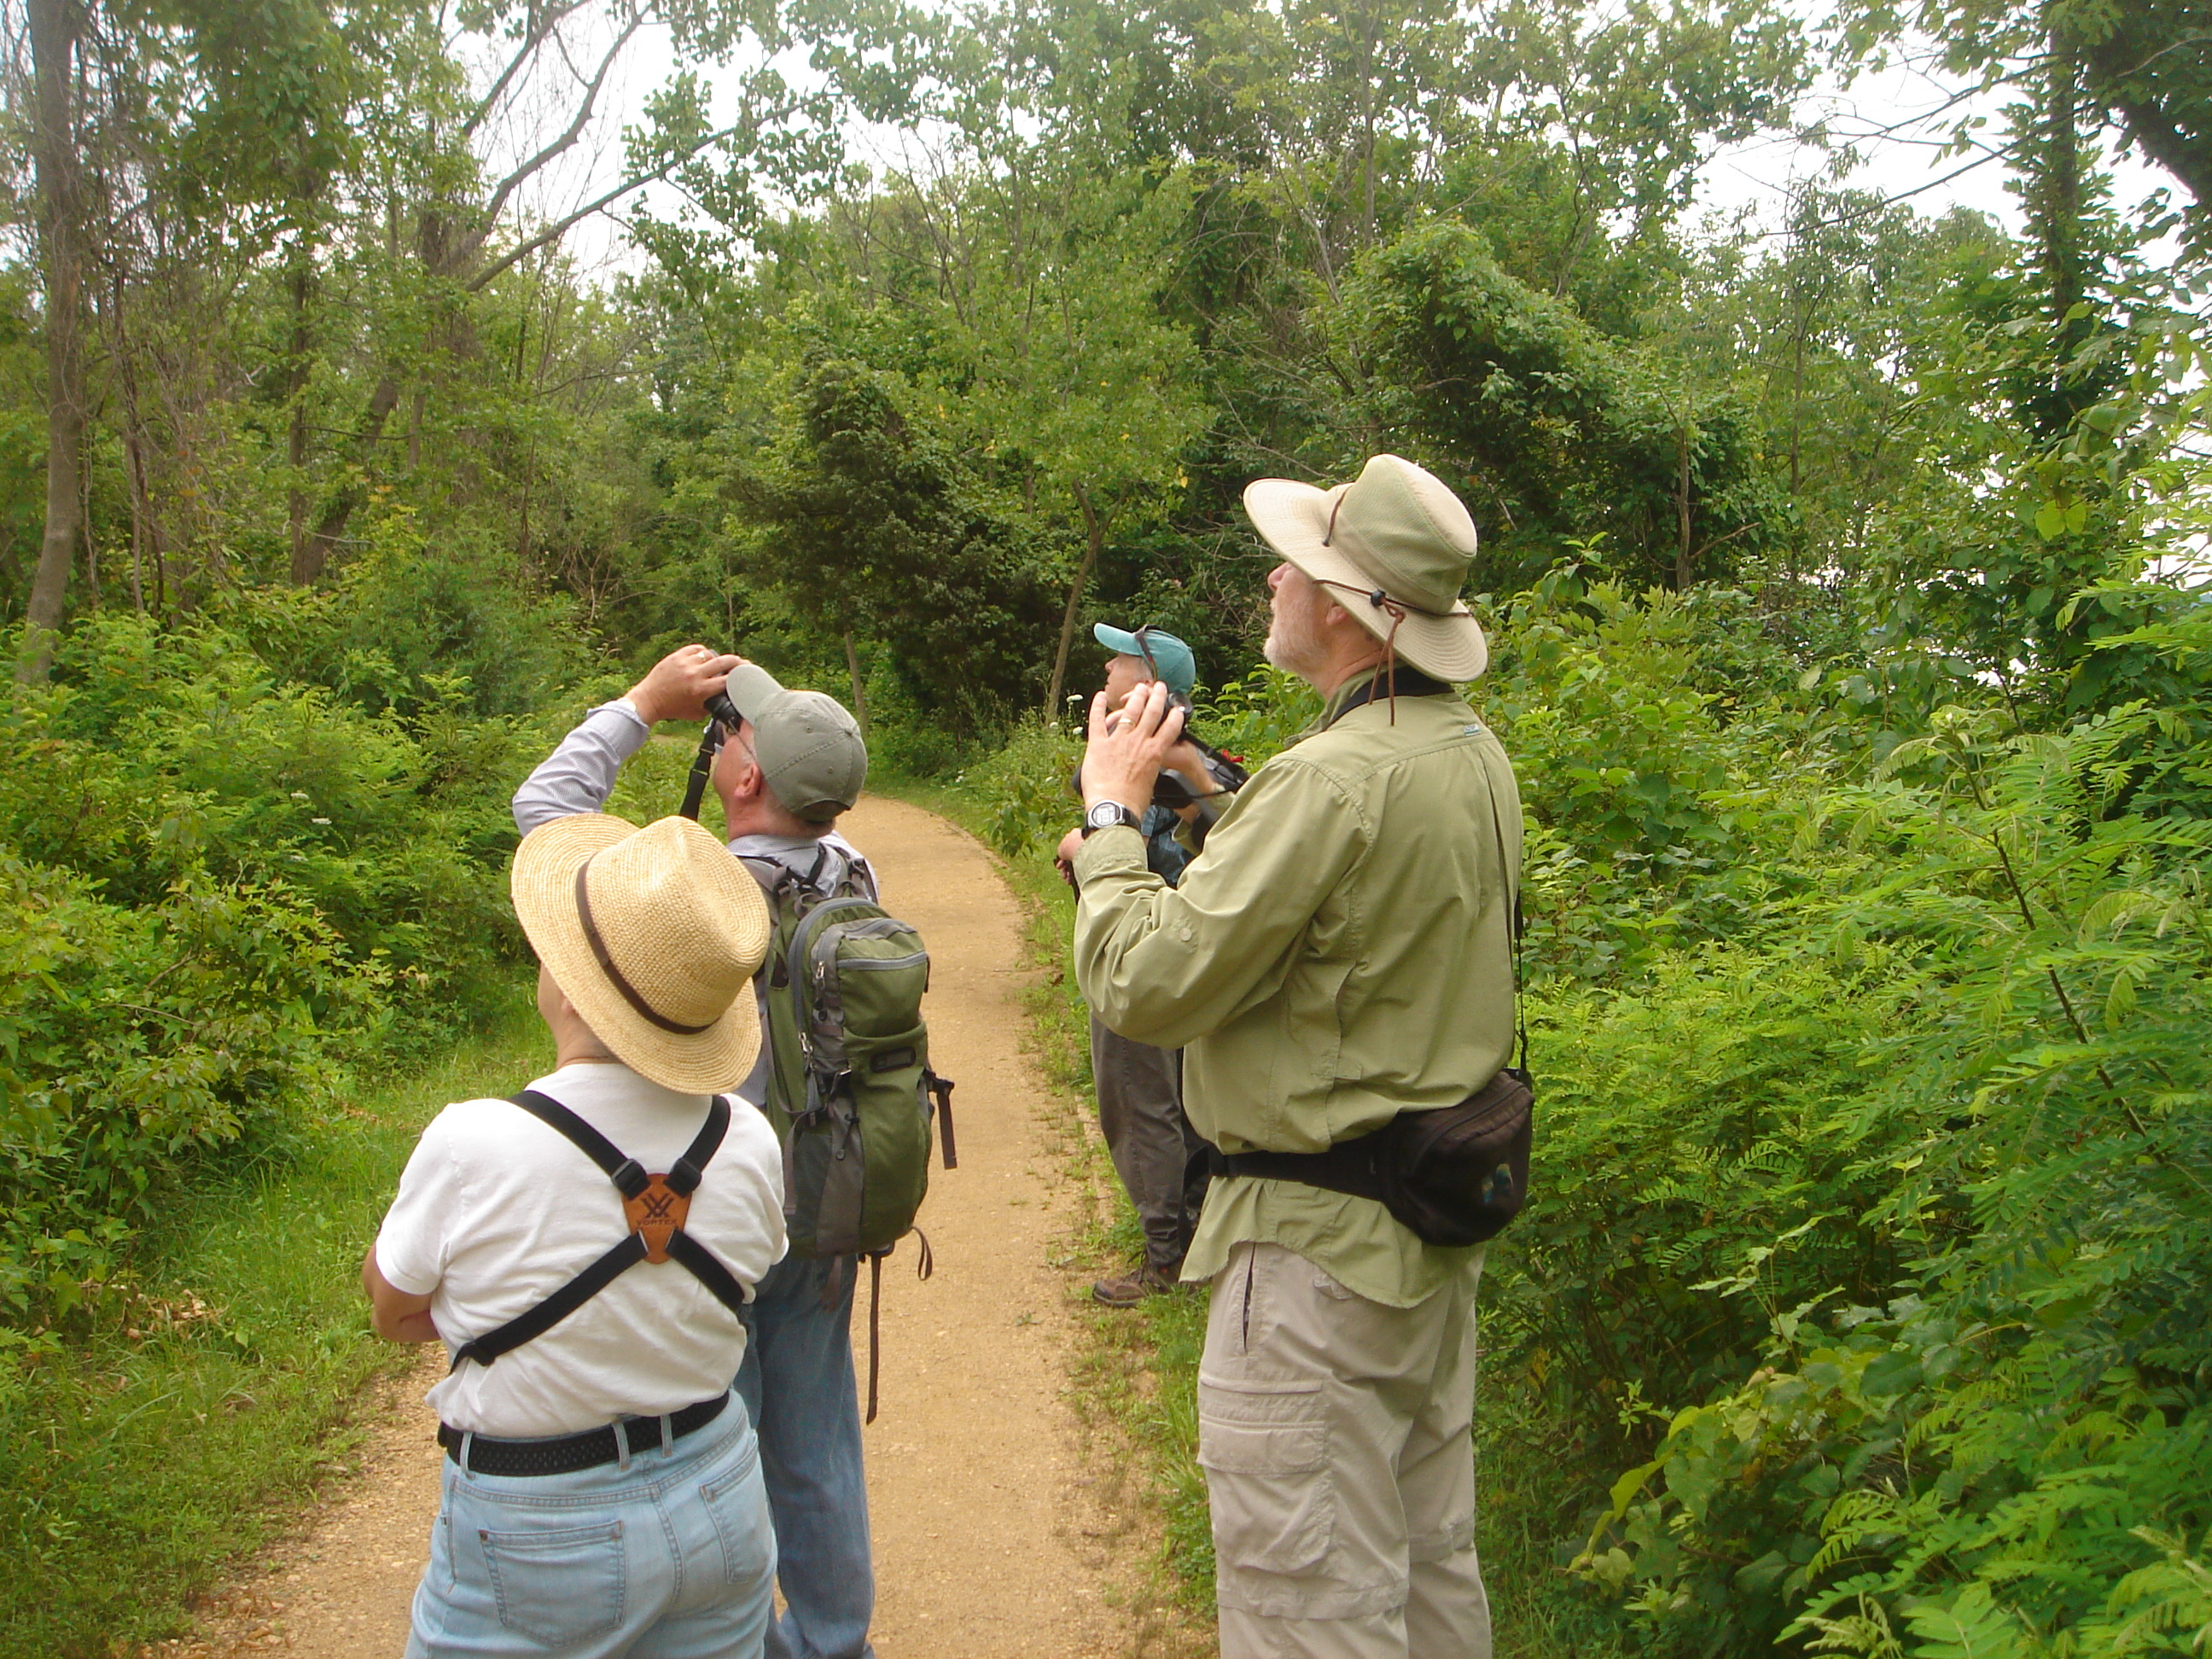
(1293, 644)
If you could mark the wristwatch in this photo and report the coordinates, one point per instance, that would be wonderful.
(1105, 815)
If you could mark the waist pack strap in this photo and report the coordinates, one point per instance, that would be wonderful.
(1350, 1166)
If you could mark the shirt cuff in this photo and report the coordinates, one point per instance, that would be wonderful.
(623, 706)
(1117, 847)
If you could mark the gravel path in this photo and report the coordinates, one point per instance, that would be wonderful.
(991, 1537)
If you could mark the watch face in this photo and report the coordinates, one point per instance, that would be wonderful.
(1106, 814)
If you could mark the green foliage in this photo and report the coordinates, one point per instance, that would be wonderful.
(149, 1456)
(219, 879)
(1026, 789)
(2000, 1460)
(1553, 431)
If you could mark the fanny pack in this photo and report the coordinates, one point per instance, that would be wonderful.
(1451, 1175)
(1454, 1175)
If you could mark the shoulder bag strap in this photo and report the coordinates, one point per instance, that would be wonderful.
(1513, 919)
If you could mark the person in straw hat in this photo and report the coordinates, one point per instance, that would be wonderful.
(786, 776)
(583, 1250)
(1337, 954)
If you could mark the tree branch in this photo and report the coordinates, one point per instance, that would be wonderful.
(515, 180)
(563, 225)
(531, 39)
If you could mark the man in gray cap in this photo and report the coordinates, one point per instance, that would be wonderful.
(1338, 955)
(794, 764)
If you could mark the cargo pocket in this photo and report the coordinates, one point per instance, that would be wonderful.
(558, 1586)
(1265, 1451)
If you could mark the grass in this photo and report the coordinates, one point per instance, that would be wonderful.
(135, 1473)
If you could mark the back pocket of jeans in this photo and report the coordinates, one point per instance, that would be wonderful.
(737, 1502)
(1266, 1456)
(557, 1585)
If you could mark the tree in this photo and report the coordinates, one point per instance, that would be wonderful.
(1553, 432)
(58, 31)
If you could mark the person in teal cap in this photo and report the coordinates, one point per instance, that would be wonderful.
(1141, 1087)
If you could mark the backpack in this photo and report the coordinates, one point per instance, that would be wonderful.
(655, 1206)
(850, 1092)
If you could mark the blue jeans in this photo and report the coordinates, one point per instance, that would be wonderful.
(797, 1383)
(667, 1555)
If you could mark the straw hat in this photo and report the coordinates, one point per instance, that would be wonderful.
(1393, 548)
(655, 936)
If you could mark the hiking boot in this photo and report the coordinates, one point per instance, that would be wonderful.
(1129, 1292)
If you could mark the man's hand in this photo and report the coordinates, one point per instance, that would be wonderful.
(397, 1315)
(680, 684)
(1187, 763)
(1128, 749)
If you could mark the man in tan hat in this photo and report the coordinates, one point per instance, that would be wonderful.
(1338, 954)
(584, 1250)
(792, 767)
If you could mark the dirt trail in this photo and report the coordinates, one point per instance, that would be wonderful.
(990, 1541)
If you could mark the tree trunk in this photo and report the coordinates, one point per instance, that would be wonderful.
(2062, 258)
(860, 691)
(331, 525)
(57, 26)
(1685, 559)
(1094, 539)
(299, 278)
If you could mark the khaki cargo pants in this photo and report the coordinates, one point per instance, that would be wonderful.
(1335, 1434)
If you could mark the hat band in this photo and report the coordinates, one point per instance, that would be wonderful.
(614, 973)
(1387, 602)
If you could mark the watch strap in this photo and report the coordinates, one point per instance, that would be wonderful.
(1093, 818)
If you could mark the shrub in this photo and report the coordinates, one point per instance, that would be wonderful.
(220, 878)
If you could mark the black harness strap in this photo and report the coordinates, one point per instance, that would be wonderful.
(707, 1270)
(630, 1179)
(529, 1326)
(626, 1173)
(685, 1177)
(1402, 681)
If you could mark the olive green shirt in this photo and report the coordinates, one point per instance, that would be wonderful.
(1338, 953)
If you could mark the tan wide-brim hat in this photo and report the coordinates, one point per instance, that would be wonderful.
(655, 936)
(1392, 546)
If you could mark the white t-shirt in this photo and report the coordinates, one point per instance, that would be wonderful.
(496, 1211)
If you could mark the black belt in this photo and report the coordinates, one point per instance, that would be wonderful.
(571, 1452)
(1349, 1166)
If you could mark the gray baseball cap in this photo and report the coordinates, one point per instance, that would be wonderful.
(808, 747)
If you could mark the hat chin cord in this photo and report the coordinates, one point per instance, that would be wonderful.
(1396, 609)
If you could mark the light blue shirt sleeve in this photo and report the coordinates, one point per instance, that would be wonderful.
(580, 775)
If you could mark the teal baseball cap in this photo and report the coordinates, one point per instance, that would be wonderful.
(1170, 657)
